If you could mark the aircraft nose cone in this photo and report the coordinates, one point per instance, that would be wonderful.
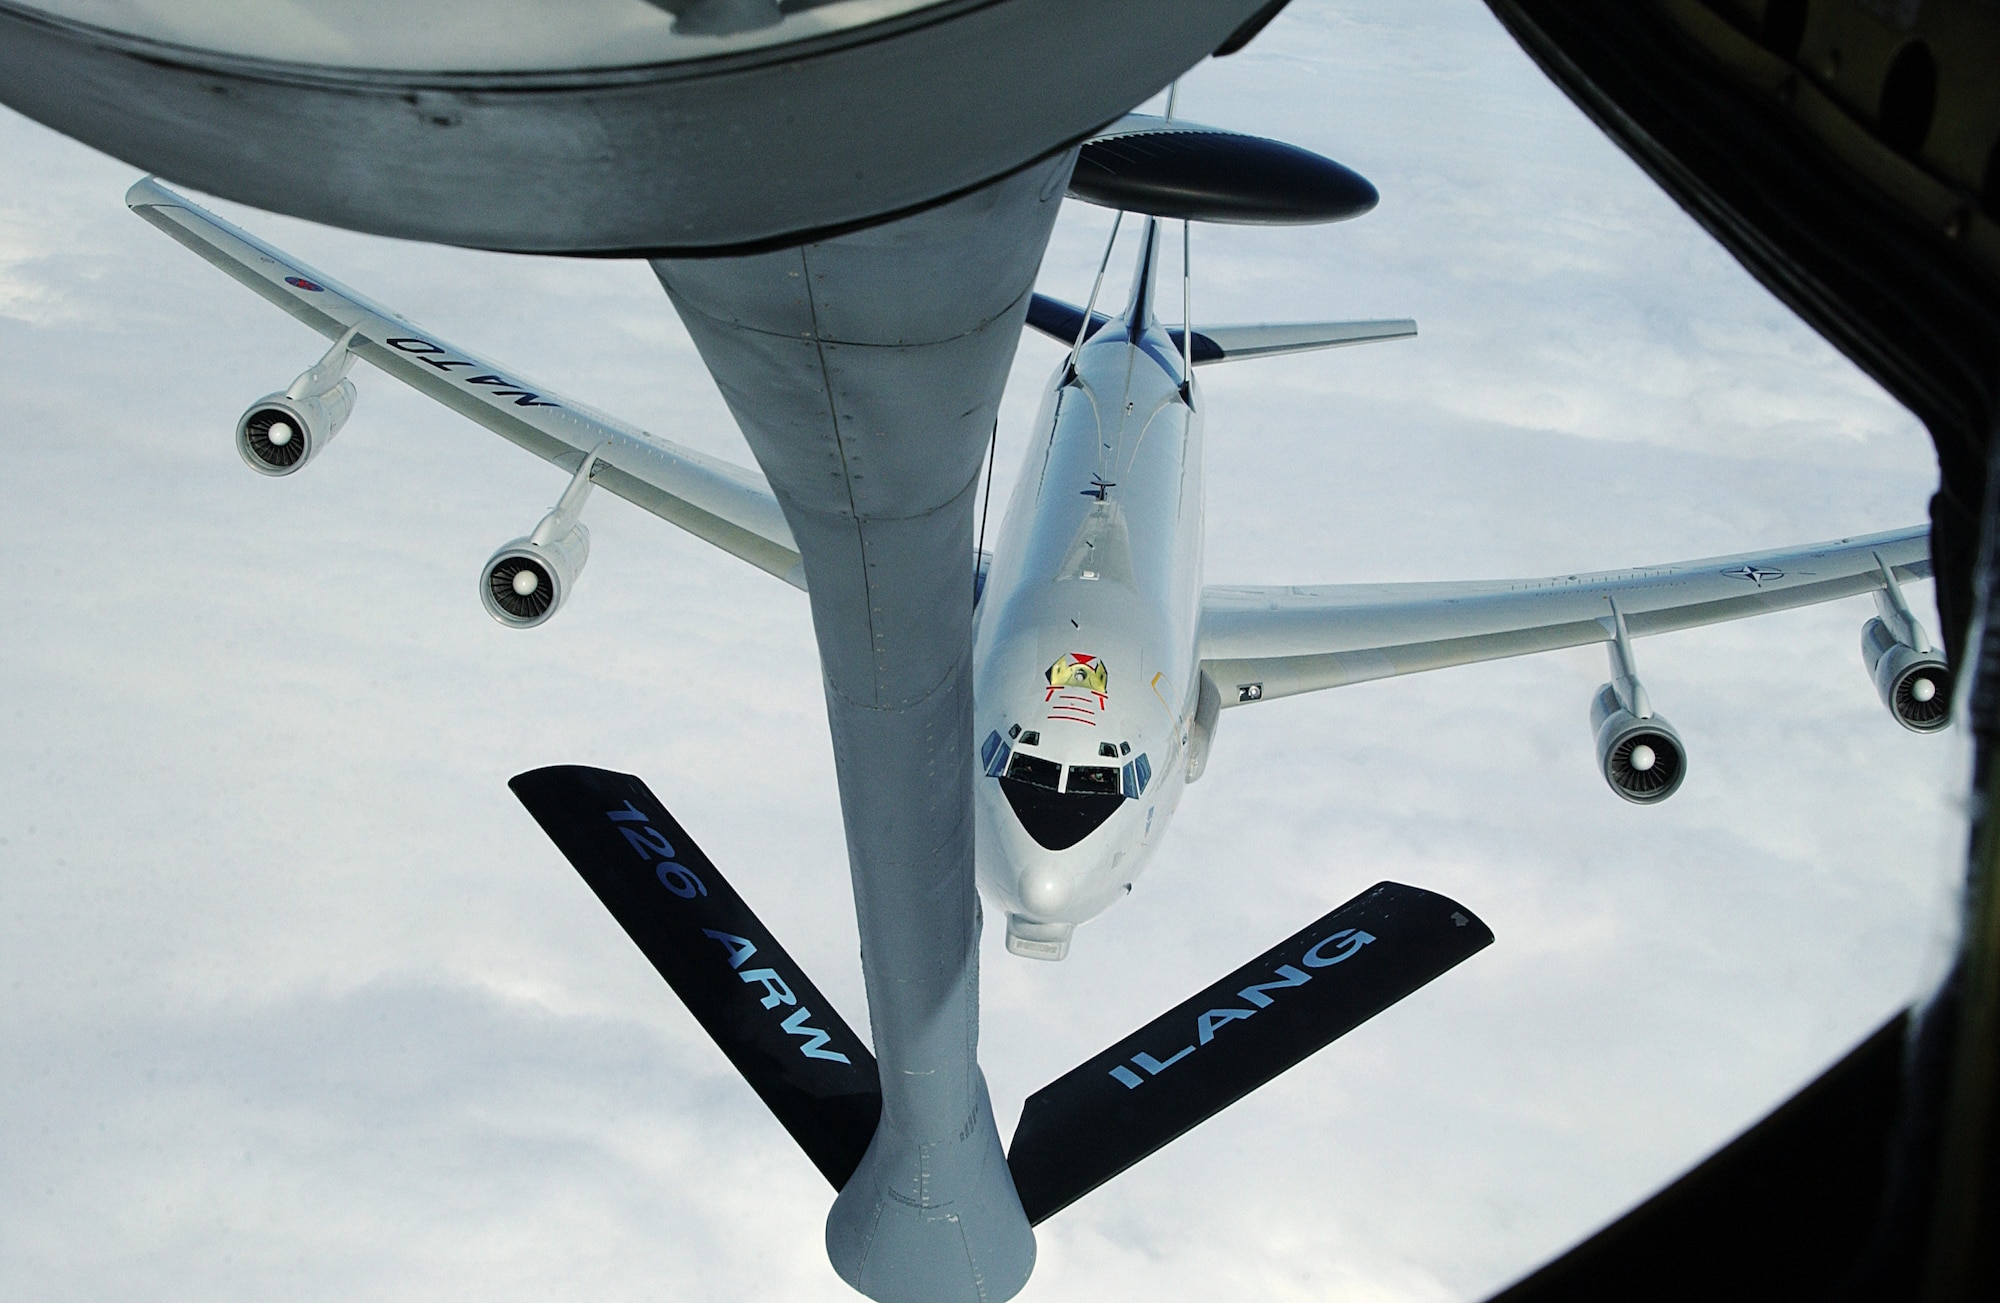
(1045, 890)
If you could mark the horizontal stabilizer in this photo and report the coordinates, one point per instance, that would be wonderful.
(1206, 1053)
(1061, 321)
(803, 1061)
(1232, 343)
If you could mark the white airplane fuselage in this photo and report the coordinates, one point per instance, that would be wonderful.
(1085, 660)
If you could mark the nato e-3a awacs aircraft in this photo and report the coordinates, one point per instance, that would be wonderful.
(1101, 664)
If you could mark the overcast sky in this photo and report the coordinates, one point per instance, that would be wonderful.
(299, 1004)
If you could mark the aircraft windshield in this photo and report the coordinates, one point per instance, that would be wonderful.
(1058, 820)
(1094, 778)
(1035, 771)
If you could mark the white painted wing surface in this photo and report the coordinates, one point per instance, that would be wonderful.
(726, 505)
(1262, 643)
(1238, 342)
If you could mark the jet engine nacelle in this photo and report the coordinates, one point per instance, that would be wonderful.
(279, 433)
(1915, 684)
(525, 581)
(1640, 756)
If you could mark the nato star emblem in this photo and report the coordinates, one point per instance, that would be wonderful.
(1755, 574)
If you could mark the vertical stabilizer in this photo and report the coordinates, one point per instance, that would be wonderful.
(1139, 311)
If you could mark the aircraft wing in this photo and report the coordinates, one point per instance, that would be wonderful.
(726, 505)
(1261, 643)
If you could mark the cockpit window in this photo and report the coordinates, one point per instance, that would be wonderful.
(1094, 778)
(1035, 771)
(993, 755)
(1137, 774)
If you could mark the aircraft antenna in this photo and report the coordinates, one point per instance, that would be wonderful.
(1187, 319)
(1083, 329)
(1173, 93)
(992, 447)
